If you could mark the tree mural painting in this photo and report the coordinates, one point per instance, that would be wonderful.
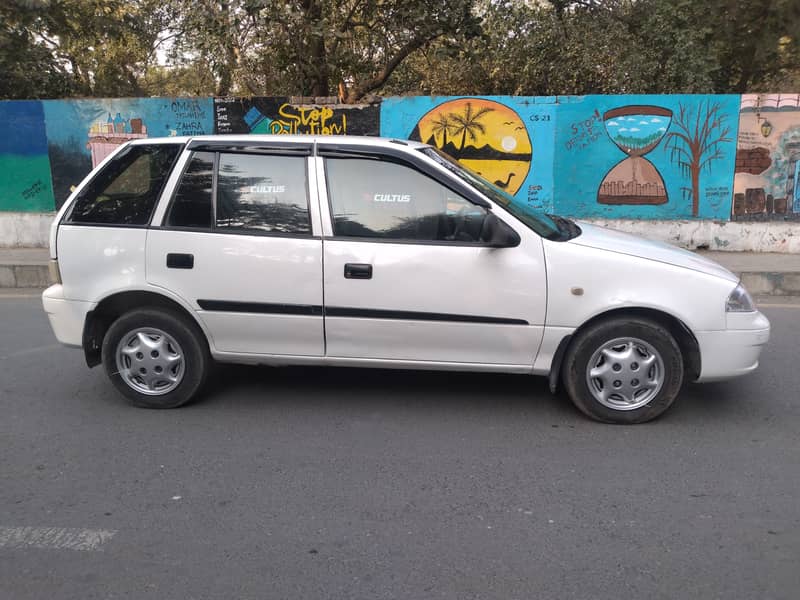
(488, 137)
(636, 130)
(696, 143)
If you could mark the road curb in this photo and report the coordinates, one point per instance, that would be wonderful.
(24, 276)
(772, 283)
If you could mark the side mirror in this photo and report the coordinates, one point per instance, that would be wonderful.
(498, 234)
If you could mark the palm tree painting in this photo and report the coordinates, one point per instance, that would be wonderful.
(442, 125)
(469, 123)
(486, 136)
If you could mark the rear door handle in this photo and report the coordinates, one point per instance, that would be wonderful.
(180, 261)
(357, 271)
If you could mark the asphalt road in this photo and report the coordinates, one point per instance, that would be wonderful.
(342, 484)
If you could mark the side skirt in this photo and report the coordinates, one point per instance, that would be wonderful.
(374, 363)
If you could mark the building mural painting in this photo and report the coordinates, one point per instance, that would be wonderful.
(506, 140)
(646, 157)
(25, 183)
(80, 133)
(281, 116)
(723, 157)
(767, 178)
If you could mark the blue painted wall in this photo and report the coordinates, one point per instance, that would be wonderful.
(633, 157)
(510, 140)
(77, 129)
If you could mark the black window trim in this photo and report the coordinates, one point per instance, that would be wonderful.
(171, 204)
(253, 147)
(68, 213)
(219, 149)
(344, 155)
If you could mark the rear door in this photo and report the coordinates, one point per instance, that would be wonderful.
(237, 243)
(407, 277)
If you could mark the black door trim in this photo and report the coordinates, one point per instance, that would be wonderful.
(344, 311)
(408, 315)
(260, 307)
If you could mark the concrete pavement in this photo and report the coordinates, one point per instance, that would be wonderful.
(764, 273)
(344, 484)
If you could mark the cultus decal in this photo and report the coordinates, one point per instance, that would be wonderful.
(392, 198)
(267, 189)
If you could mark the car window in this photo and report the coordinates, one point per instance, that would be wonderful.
(262, 193)
(381, 199)
(125, 191)
(191, 206)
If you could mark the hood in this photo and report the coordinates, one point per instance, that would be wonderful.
(593, 236)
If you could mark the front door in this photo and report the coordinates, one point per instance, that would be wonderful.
(236, 244)
(408, 278)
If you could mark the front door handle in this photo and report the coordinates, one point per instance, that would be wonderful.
(357, 271)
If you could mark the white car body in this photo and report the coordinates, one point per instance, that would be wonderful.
(526, 299)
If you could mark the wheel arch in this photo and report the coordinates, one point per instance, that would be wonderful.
(99, 319)
(686, 340)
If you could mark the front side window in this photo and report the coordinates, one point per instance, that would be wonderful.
(381, 199)
(262, 194)
(126, 190)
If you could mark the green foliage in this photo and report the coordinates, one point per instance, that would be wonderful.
(355, 48)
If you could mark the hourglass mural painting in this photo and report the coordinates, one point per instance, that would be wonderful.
(636, 130)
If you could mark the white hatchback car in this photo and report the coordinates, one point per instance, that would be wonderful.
(366, 252)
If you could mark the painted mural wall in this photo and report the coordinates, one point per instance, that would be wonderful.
(724, 157)
(632, 157)
(646, 157)
(767, 180)
(507, 140)
(25, 183)
(81, 133)
(282, 116)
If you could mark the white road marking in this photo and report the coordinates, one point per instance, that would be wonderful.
(57, 538)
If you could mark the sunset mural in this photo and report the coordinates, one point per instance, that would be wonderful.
(485, 136)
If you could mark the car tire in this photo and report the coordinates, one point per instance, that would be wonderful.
(157, 358)
(623, 370)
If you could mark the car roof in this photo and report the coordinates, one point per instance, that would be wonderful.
(299, 139)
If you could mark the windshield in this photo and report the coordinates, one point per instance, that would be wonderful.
(541, 223)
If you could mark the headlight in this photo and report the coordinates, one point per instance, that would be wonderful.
(739, 301)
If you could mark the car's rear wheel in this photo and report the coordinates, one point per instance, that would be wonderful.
(623, 370)
(157, 358)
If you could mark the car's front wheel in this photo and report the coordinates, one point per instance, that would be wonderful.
(157, 358)
(623, 370)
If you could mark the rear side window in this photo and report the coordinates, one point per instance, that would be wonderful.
(191, 206)
(126, 190)
(262, 194)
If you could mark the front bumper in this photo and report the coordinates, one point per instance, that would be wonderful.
(734, 351)
(66, 316)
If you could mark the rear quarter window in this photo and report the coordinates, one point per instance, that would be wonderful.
(126, 190)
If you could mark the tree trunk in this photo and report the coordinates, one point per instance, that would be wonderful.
(225, 82)
(695, 188)
(316, 63)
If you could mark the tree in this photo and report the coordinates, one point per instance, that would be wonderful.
(696, 144)
(87, 47)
